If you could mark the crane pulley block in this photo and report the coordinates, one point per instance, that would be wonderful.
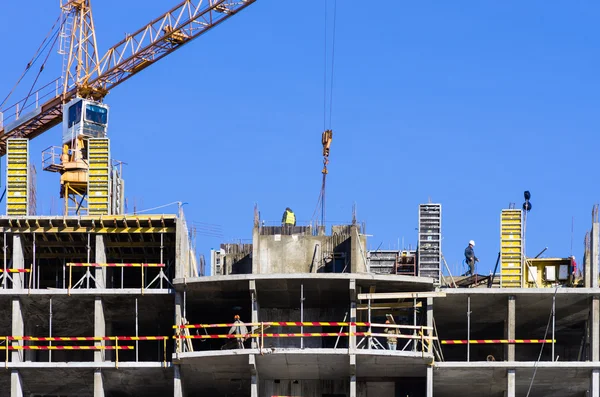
(326, 141)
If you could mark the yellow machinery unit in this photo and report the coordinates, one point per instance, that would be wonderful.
(548, 272)
(17, 176)
(511, 249)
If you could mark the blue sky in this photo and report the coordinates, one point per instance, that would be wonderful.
(464, 103)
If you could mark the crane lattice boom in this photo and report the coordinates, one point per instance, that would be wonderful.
(137, 51)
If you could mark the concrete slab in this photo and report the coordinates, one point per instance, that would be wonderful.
(377, 365)
(489, 379)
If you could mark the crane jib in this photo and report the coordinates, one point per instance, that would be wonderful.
(157, 39)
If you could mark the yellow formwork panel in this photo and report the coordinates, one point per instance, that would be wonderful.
(17, 176)
(99, 176)
(511, 249)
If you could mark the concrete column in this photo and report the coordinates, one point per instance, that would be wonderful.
(254, 389)
(587, 263)
(429, 380)
(100, 257)
(509, 331)
(352, 340)
(179, 389)
(18, 328)
(255, 308)
(99, 330)
(18, 262)
(510, 383)
(595, 384)
(353, 375)
(16, 384)
(595, 329)
(594, 250)
(358, 253)
(256, 268)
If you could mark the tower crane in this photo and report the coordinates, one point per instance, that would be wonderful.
(88, 182)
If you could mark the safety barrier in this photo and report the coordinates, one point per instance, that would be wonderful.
(88, 275)
(116, 347)
(416, 334)
(16, 270)
(495, 341)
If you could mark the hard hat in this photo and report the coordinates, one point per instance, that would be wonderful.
(237, 316)
(472, 243)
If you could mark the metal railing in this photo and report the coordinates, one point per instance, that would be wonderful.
(421, 336)
(32, 101)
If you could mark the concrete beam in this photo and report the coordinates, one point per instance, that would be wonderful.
(100, 257)
(402, 295)
(18, 262)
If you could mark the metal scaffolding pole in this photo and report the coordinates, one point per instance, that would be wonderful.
(302, 314)
(553, 324)
(468, 328)
(50, 332)
(137, 347)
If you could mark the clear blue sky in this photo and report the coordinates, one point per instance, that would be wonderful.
(467, 103)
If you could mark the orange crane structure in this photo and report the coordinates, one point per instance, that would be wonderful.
(89, 182)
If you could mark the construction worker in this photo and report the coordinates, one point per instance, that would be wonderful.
(391, 340)
(238, 328)
(289, 218)
(470, 258)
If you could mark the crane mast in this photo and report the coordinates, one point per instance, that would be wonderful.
(89, 182)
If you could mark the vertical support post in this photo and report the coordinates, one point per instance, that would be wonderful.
(429, 386)
(18, 262)
(429, 326)
(33, 266)
(302, 315)
(18, 327)
(352, 375)
(510, 383)
(468, 328)
(178, 320)
(594, 248)
(352, 327)
(178, 384)
(50, 331)
(162, 244)
(553, 324)
(415, 341)
(137, 342)
(100, 257)
(510, 328)
(255, 310)
(253, 376)
(370, 326)
(5, 260)
(99, 331)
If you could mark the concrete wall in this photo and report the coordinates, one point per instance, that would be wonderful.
(344, 251)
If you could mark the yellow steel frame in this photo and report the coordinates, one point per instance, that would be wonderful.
(511, 249)
(17, 176)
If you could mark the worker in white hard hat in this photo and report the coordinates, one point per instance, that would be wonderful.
(470, 258)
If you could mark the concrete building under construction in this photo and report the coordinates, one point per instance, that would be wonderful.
(114, 306)
(100, 303)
